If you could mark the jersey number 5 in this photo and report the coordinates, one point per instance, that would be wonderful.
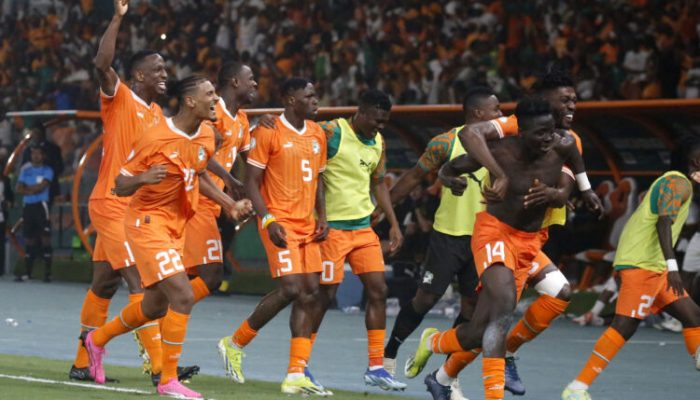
(306, 170)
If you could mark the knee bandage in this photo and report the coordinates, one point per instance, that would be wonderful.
(552, 283)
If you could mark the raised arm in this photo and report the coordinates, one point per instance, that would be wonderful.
(474, 139)
(105, 53)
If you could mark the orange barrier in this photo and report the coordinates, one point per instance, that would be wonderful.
(434, 112)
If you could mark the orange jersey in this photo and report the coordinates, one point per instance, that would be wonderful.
(235, 131)
(292, 161)
(125, 117)
(508, 126)
(174, 200)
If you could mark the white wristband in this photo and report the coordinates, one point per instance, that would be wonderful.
(582, 181)
(672, 265)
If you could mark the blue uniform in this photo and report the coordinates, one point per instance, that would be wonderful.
(31, 175)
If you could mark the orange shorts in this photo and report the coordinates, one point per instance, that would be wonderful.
(157, 251)
(302, 255)
(541, 260)
(111, 246)
(202, 240)
(495, 242)
(361, 248)
(643, 292)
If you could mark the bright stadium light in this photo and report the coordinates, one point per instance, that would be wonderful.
(163, 36)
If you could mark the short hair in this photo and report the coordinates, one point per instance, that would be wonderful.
(293, 84)
(137, 59)
(532, 107)
(553, 79)
(474, 95)
(228, 70)
(374, 98)
(184, 86)
(37, 146)
(685, 146)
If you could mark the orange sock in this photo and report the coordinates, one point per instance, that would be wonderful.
(537, 318)
(92, 316)
(494, 374)
(604, 351)
(129, 318)
(375, 347)
(299, 353)
(456, 362)
(243, 335)
(199, 288)
(174, 331)
(446, 342)
(149, 335)
(692, 339)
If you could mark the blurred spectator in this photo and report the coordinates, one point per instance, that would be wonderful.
(418, 51)
(33, 184)
(52, 158)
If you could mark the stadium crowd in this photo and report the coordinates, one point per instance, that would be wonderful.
(419, 52)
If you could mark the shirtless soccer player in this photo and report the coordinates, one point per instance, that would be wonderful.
(649, 277)
(203, 250)
(355, 171)
(282, 180)
(507, 238)
(163, 175)
(126, 112)
(449, 253)
(551, 285)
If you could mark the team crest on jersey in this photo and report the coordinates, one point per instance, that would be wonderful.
(229, 133)
(240, 132)
(315, 147)
(202, 154)
(428, 278)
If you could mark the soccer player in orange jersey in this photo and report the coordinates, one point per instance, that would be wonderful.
(283, 183)
(163, 175)
(203, 248)
(127, 110)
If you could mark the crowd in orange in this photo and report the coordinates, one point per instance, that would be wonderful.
(421, 52)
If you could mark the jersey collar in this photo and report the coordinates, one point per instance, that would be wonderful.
(291, 127)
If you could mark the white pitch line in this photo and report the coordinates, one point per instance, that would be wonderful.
(67, 383)
(653, 342)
